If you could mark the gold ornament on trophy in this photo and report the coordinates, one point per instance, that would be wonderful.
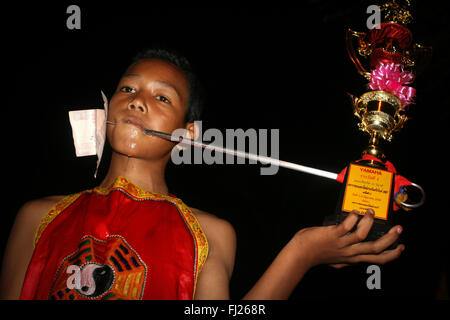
(392, 61)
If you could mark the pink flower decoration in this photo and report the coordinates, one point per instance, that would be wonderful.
(390, 77)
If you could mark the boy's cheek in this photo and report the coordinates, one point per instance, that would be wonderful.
(116, 105)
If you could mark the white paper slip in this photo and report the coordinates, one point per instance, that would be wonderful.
(100, 131)
(89, 131)
(84, 130)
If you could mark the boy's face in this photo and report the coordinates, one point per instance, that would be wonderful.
(152, 94)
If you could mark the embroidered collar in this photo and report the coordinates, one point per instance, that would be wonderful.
(134, 191)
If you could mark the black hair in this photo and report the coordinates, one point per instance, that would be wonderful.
(195, 101)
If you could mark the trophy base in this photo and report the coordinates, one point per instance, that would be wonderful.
(367, 185)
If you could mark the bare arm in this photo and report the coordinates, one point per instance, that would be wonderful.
(282, 276)
(20, 246)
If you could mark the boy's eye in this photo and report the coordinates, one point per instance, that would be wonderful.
(127, 89)
(163, 99)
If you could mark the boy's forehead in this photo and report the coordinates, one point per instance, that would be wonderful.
(157, 68)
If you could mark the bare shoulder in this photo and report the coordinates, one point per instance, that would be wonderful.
(19, 248)
(214, 226)
(33, 211)
(221, 237)
(42, 203)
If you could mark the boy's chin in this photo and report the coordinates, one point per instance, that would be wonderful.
(128, 153)
(131, 151)
(138, 153)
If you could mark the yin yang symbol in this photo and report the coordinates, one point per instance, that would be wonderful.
(95, 279)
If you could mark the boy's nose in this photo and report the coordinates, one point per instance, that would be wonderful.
(137, 107)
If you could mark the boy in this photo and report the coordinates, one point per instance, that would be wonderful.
(130, 239)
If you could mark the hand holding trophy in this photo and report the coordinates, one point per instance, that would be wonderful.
(392, 63)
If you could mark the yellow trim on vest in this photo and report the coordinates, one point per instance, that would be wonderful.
(53, 213)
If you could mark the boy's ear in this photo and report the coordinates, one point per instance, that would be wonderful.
(193, 130)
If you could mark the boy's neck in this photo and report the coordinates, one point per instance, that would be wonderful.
(148, 175)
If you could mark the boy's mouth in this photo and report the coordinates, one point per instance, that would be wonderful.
(134, 121)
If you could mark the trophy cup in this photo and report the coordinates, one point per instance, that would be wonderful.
(393, 61)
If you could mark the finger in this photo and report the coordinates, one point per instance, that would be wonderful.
(361, 232)
(339, 265)
(347, 225)
(381, 258)
(377, 246)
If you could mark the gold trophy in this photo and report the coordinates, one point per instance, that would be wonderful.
(392, 61)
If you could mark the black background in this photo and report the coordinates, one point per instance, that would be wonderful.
(262, 67)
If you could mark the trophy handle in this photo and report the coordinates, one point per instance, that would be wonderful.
(400, 121)
(355, 104)
(414, 205)
(421, 57)
(364, 49)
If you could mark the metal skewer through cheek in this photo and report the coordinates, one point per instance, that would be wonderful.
(265, 160)
(240, 154)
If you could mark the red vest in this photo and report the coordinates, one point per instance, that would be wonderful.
(119, 242)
